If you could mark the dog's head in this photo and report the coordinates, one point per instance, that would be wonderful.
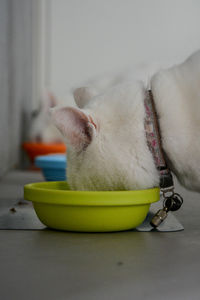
(106, 141)
(42, 129)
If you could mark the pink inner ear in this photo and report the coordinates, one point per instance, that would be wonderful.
(92, 122)
(75, 125)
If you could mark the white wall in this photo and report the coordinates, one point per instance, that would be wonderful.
(5, 139)
(87, 37)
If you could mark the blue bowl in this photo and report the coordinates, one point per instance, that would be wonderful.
(53, 166)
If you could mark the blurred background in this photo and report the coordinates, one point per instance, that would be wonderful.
(59, 43)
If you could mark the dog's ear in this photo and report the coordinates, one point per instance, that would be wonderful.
(77, 127)
(83, 95)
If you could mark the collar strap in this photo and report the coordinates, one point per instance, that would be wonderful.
(172, 201)
(154, 142)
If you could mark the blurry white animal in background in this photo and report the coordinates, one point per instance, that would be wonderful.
(42, 129)
(106, 140)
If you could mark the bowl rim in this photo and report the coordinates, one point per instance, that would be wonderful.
(42, 192)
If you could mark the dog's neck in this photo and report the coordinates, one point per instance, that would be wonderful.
(176, 97)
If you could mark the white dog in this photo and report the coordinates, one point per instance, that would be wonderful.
(106, 138)
(42, 130)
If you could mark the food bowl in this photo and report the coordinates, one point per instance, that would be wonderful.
(36, 149)
(53, 166)
(60, 208)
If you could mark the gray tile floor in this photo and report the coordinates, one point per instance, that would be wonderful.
(53, 265)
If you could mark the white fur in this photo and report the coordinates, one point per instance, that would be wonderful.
(42, 129)
(176, 93)
(117, 157)
(100, 84)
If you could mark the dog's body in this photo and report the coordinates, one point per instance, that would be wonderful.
(106, 140)
(177, 97)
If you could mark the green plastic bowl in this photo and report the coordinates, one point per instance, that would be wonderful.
(88, 211)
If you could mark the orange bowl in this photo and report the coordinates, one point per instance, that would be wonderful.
(36, 149)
